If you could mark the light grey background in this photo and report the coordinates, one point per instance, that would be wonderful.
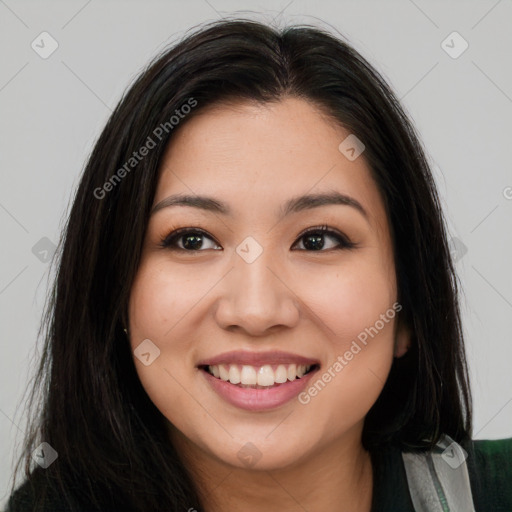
(53, 109)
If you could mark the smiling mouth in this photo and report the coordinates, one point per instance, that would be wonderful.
(258, 377)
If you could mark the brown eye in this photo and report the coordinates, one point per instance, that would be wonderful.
(187, 239)
(314, 239)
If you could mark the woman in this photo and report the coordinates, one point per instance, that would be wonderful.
(255, 307)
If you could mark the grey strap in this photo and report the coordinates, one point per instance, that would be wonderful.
(439, 480)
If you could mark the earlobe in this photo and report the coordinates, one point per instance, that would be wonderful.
(401, 350)
(402, 341)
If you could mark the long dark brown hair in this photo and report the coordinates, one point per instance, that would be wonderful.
(87, 401)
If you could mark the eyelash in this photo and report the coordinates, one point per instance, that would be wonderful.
(169, 241)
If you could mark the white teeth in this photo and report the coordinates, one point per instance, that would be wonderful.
(234, 374)
(265, 375)
(248, 375)
(292, 372)
(223, 373)
(281, 374)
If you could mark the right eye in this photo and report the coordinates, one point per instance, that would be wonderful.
(191, 238)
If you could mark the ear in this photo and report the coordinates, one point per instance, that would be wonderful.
(402, 339)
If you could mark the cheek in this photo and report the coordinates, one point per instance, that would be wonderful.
(357, 309)
(161, 297)
(343, 393)
(350, 298)
(157, 303)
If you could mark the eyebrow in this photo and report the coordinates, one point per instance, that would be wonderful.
(293, 205)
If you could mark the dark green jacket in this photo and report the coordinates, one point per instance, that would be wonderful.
(489, 466)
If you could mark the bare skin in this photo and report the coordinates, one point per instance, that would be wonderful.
(196, 304)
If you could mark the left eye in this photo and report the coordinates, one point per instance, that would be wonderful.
(314, 239)
(192, 240)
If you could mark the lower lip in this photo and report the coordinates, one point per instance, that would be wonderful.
(258, 399)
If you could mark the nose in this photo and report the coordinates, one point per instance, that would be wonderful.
(256, 298)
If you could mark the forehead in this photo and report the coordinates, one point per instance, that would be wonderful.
(254, 157)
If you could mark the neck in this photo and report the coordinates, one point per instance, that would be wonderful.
(337, 477)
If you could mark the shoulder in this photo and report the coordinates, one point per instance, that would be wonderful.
(458, 473)
(37, 493)
(491, 451)
(31, 496)
(490, 469)
(40, 492)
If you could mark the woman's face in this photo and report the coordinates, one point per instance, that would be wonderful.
(255, 291)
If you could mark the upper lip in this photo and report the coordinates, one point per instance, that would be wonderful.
(257, 358)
